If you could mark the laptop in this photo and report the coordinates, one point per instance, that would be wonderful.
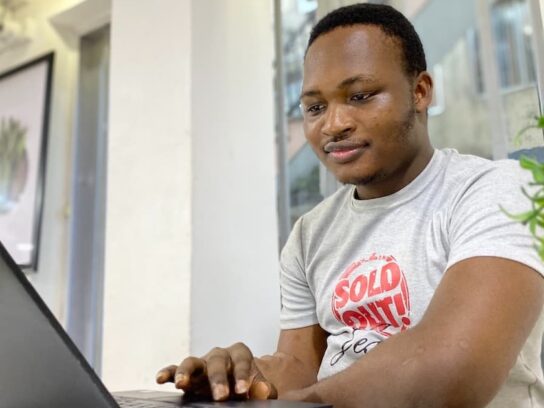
(40, 367)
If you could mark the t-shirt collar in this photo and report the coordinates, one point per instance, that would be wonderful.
(407, 193)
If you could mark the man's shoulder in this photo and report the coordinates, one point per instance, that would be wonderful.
(473, 182)
(461, 165)
(468, 170)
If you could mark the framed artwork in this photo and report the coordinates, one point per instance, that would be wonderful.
(25, 94)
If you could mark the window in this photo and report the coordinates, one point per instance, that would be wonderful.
(512, 33)
(298, 17)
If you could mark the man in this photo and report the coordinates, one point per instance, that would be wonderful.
(409, 287)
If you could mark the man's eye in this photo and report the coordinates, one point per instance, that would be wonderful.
(315, 109)
(360, 97)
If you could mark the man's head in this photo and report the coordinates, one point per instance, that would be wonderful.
(392, 23)
(365, 96)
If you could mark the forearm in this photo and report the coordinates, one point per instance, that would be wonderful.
(412, 369)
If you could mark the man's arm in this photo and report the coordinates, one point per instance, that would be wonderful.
(459, 355)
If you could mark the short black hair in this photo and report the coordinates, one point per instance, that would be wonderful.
(392, 22)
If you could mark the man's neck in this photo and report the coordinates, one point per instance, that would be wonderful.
(395, 182)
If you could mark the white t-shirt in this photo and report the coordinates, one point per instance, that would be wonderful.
(365, 270)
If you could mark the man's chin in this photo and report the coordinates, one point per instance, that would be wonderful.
(359, 180)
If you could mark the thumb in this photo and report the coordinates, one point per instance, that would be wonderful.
(261, 388)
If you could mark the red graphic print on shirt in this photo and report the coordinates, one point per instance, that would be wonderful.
(372, 294)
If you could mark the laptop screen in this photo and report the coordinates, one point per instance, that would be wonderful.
(40, 366)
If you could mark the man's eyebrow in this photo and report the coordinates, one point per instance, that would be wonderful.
(357, 78)
(309, 93)
(344, 84)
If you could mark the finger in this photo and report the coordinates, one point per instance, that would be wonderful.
(242, 360)
(200, 390)
(189, 372)
(166, 374)
(219, 366)
(262, 390)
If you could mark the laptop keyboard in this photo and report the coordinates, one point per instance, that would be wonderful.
(125, 402)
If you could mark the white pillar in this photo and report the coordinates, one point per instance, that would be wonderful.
(148, 227)
(191, 231)
(234, 282)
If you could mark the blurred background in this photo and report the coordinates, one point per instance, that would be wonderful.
(173, 163)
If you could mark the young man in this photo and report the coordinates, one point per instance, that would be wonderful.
(409, 287)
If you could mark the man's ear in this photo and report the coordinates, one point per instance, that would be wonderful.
(423, 91)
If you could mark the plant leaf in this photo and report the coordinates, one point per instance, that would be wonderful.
(523, 217)
(532, 225)
(534, 167)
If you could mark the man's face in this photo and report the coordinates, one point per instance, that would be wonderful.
(360, 111)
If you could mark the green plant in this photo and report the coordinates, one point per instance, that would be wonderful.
(538, 124)
(12, 151)
(534, 218)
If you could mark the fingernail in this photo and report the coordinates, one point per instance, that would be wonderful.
(266, 389)
(219, 392)
(260, 390)
(241, 387)
(180, 380)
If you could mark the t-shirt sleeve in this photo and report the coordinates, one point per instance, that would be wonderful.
(479, 226)
(298, 308)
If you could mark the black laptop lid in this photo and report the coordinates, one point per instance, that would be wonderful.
(39, 365)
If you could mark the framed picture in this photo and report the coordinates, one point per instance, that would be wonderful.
(24, 120)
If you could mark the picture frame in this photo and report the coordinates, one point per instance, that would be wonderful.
(25, 96)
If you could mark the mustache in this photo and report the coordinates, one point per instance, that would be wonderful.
(346, 144)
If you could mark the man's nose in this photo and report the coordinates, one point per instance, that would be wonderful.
(338, 122)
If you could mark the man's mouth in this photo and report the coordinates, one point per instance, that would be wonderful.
(345, 151)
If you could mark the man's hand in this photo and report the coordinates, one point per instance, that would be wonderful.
(223, 373)
(286, 372)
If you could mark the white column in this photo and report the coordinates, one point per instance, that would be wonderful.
(191, 207)
(234, 280)
(148, 227)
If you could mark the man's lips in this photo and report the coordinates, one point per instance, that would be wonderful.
(345, 150)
